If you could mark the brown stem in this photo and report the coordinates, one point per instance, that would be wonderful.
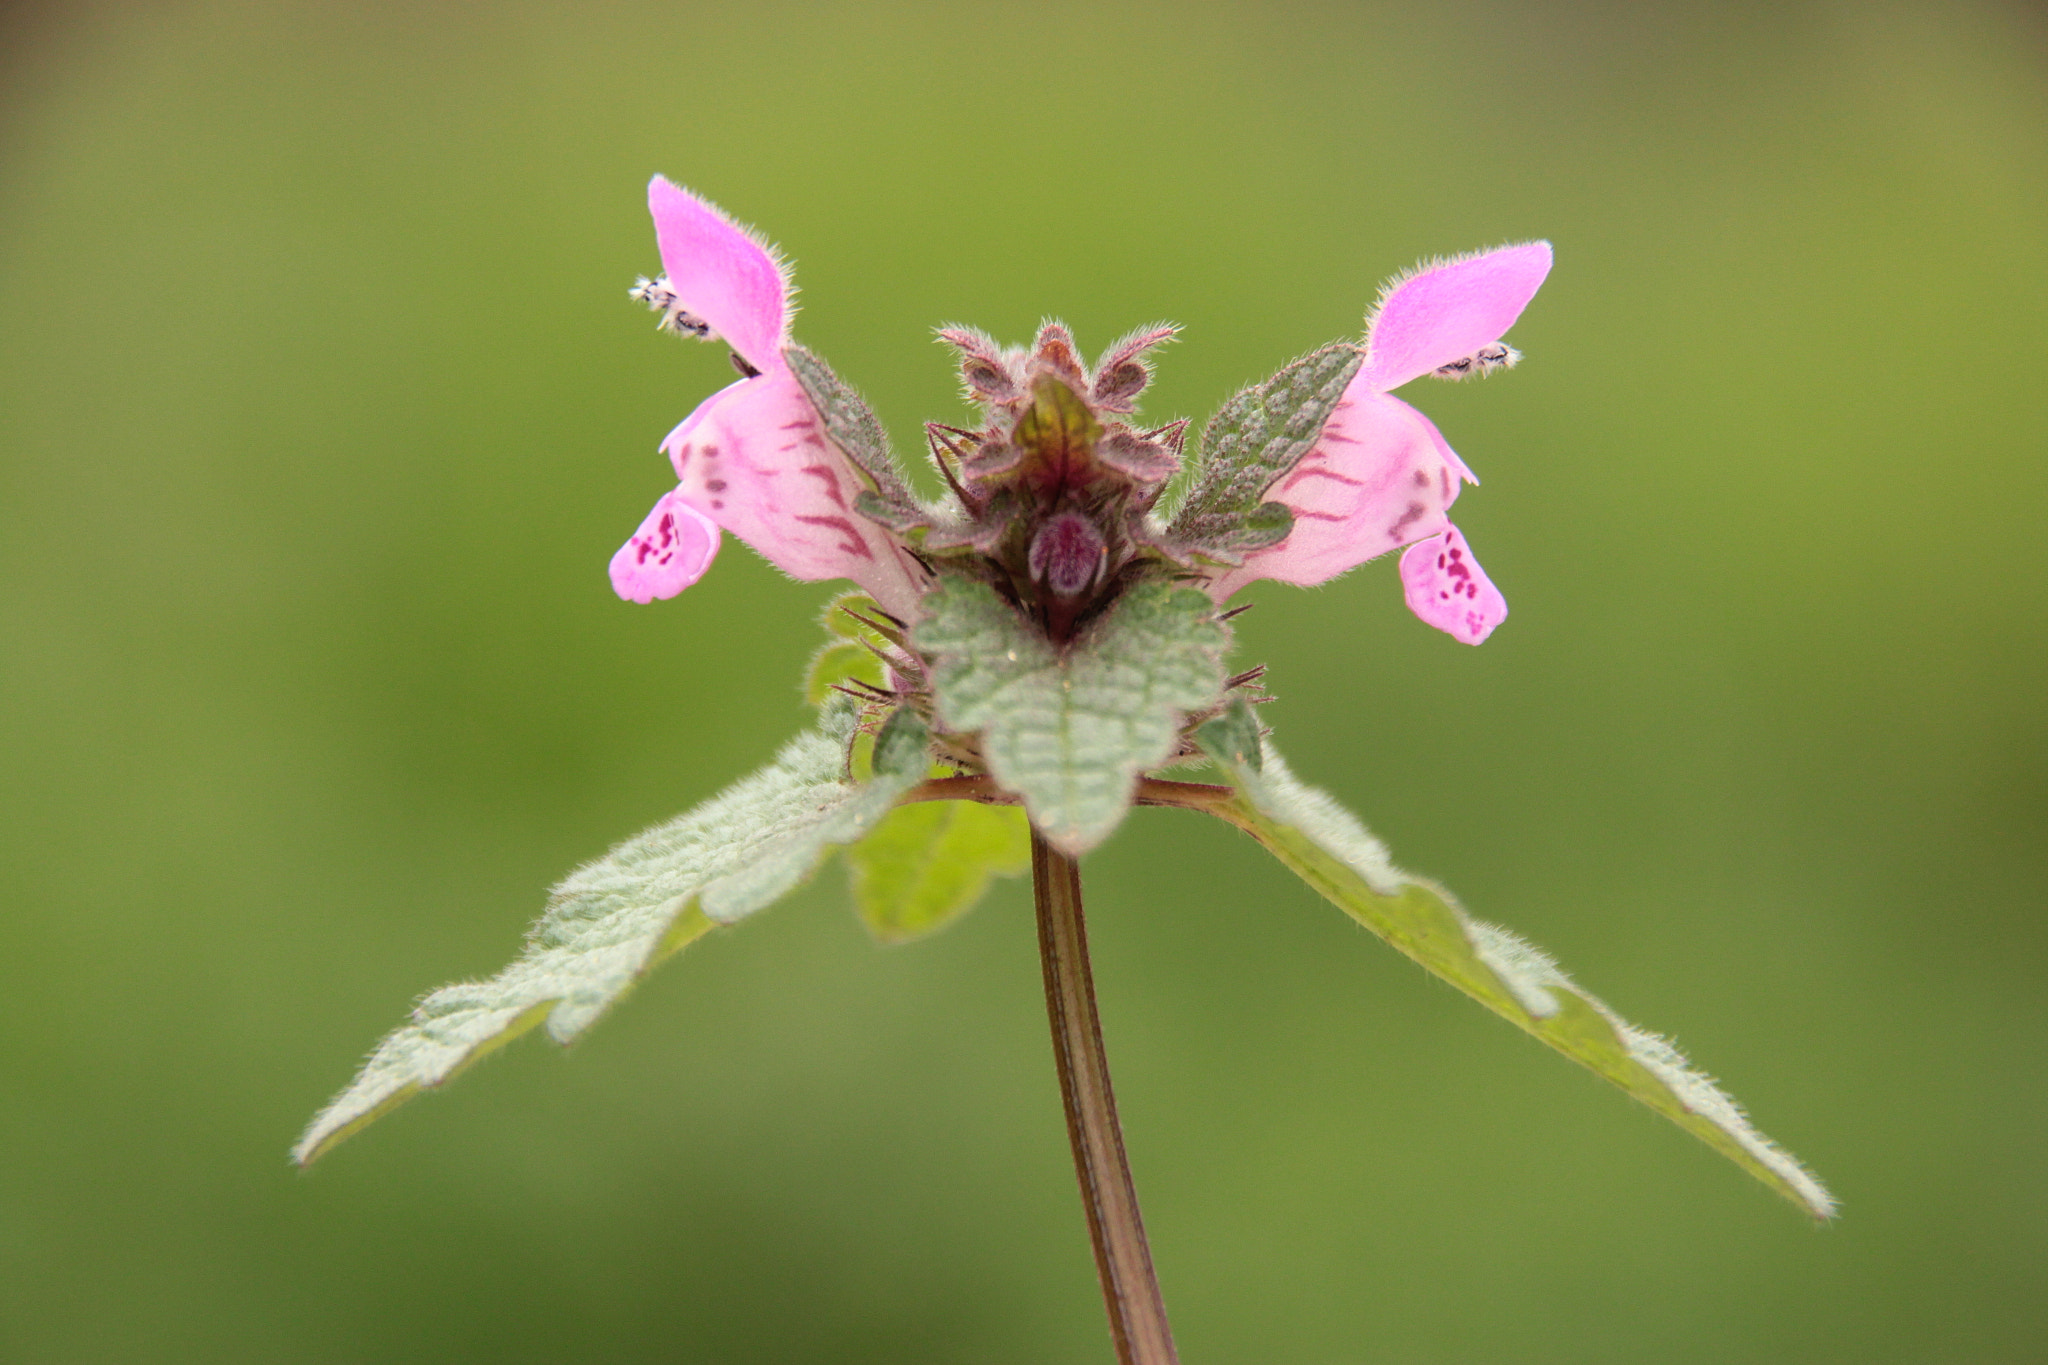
(969, 787)
(1137, 1314)
(1152, 791)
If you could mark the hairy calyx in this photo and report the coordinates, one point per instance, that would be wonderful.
(1052, 492)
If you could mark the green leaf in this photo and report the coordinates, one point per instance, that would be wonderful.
(929, 863)
(1252, 442)
(613, 919)
(1267, 524)
(838, 662)
(853, 427)
(1326, 847)
(1234, 738)
(1071, 732)
(841, 614)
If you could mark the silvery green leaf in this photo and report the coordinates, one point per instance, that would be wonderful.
(929, 863)
(1070, 732)
(852, 426)
(610, 921)
(900, 515)
(1326, 846)
(772, 866)
(1266, 524)
(1254, 440)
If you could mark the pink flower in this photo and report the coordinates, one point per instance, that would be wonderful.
(754, 458)
(1382, 476)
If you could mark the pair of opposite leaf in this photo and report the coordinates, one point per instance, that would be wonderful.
(1051, 624)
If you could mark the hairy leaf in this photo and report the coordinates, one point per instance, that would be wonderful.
(853, 427)
(613, 919)
(1328, 848)
(1235, 738)
(1071, 732)
(1252, 441)
(929, 863)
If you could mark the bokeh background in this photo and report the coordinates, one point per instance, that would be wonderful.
(322, 407)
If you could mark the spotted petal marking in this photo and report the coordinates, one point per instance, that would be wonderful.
(670, 551)
(1446, 587)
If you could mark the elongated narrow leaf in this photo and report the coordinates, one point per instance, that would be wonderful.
(1253, 440)
(613, 919)
(1070, 732)
(1328, 848)
(927, 864)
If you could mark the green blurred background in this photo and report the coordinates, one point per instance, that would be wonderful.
(322, 407)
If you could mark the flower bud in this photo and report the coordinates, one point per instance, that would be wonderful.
(1067, 555)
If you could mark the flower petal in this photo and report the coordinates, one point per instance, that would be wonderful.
(1443, 447)
(1446, 587)
(754, 459)
(670, 551)
(722, 273)
(1377, 479)
(1445, 312)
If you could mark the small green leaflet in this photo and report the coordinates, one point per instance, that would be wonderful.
(852, 649)
(1251, 442)
(839, 662)
(1325, 845)
(928, 863)
(1071, 732)
(610, 921)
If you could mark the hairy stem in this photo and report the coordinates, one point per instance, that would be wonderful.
(1137, 1314)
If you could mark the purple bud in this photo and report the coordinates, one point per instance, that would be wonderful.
(1122, 373)
(1054, 353)
(1067, 554)
(1116, 387)
(983, 365)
